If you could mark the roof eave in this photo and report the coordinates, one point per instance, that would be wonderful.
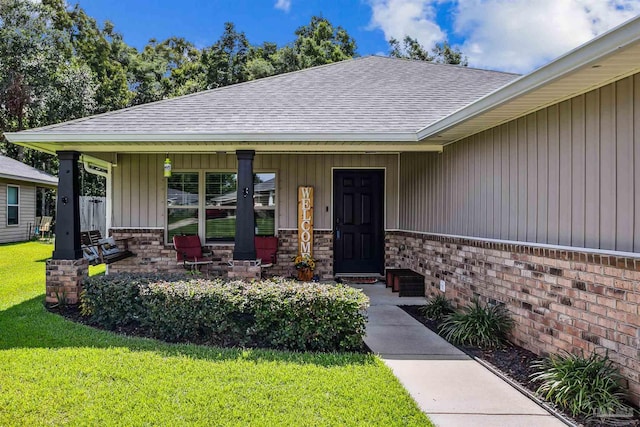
(31, 180)
(589, 53)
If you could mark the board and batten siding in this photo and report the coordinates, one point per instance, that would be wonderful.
(565, 175)
(139, 188)
(26, 212)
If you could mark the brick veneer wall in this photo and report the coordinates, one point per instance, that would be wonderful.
(152, 255)
(560, 299)
(288, 248)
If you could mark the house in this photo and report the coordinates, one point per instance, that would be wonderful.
(522, 190)
(18, 187)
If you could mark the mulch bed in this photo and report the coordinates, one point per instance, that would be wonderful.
(512, 361)
(72, 312)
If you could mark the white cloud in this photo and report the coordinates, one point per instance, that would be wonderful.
(520, 35)
(509, 35)
(400, 18)
(284, 5)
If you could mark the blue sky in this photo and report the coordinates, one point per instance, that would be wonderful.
(202, 21)
(509, 35)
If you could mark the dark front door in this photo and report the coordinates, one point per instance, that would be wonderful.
(358, 221)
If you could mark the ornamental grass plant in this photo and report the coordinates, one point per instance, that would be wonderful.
(587, 386)
(478, 325)
(437, 308)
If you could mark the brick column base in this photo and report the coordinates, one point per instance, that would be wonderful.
(244, 270)
(64, 280)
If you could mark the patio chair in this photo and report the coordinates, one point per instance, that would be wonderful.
(45, 226)
(266, 252)
(191, 253)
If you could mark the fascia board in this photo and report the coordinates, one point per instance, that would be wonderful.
(35, 137)
(591, 52)
(33, 180)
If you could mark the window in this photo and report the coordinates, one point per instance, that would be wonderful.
(264, 197)
(220, 199)
(182, 204)
(13, 205)
(212, 214)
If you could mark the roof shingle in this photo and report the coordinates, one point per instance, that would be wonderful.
(369, 94)
(13, 169)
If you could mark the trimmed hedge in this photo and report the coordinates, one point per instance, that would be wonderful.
(275, 313)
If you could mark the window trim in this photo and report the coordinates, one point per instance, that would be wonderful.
(202, 203)
(17, 187)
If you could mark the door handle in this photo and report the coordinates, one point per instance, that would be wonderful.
(337, 228)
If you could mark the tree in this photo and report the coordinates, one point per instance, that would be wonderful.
(40, 81)
(410, 49)
(225, 61)
(317, 43)
(105, 53)
(441, 53)
(28, 60)
(320, 43)
(261, 61)
(164, 70)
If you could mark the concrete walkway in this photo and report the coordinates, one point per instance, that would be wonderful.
(449, 386)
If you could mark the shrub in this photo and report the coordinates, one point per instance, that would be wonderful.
(483, 326)
(274, 313)
(583, 386)
(437, 308)
(113, 301)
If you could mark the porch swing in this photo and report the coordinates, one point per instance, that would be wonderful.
(95, 248)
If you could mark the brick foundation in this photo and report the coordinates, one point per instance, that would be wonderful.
(560, 300)
(244, 270)
(64, 280)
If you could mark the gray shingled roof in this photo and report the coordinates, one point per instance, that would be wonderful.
(13, 169)
(369, 94)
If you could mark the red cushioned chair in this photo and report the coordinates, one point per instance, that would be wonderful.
(266, 249)
(190, 253)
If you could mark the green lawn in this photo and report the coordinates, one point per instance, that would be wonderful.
(55, 372)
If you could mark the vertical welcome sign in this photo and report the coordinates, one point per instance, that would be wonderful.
(305, 221)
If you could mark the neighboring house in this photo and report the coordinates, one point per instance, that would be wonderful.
(18, 186)
(523, 190)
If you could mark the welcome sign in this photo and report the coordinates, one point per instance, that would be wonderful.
(305, 221)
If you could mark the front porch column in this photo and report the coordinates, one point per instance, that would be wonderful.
(67, 245)
(67, 270)
(245, 248)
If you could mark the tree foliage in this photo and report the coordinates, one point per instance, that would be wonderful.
(57, 63)
(441, 53)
